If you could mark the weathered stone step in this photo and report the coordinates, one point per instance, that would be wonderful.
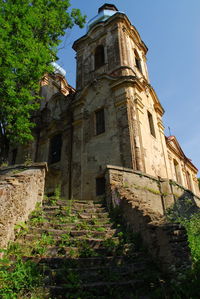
(108, 233)
(75, 251)
(127, 289)
(73, 209)
(73, 226)
(94, 274)
(92, 239)
(87, 262)
(74, 230)
(67, 203)
(76, 220)
(81, 215)
(87, 215)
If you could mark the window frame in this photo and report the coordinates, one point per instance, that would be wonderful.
(99, 56)
(151, 124)
(100, 185)
(138, 63)
(100, 127)
(55, 154)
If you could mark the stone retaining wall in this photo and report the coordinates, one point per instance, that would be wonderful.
(21, 187)
(142, 206)
(156, 193)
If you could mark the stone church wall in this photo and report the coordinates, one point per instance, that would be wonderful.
(21, 188)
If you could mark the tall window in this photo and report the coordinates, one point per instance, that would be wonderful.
(99, 56)
(55, 149)
(100, 121)
(177, 172)
(151, 124)
(100, 186)
(138, 61)
(188, 177)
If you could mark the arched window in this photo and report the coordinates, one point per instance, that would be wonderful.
(177, 171)
(99, 56)
(138, 61)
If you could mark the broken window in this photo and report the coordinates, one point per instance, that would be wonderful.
(151, 124)
(55, 149)
(100, 121)
(100, 186)
(99, 56)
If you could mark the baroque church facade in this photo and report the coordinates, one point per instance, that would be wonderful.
(114, 116)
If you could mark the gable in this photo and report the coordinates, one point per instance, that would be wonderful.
(174, 146)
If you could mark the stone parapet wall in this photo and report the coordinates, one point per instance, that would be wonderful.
(142, 206)
(156, 193)
(21, 187)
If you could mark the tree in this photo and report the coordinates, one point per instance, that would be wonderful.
(199, 182)
(30, 32)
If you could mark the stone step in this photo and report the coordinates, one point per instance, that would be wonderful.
(127, 289)
(74, 230)
(81, 215)
(128, 266)
(74, 251)
(78, 203)
(74, 209)
(74, 220)
(108, 233)
(88, 262)
(87, 215)
(73, 226)
(91, 239)
(95, 274)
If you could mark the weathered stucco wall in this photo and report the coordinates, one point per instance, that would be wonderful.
(143, 203)
(20, 190)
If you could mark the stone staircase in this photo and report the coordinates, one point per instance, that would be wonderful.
(83, 252)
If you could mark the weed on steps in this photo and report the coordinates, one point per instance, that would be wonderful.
(75, 249)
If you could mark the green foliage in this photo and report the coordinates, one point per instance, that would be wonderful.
(4, 164)
(186, 284)
(29, 36)
(199, 182)
(181, 210)
(192, 226)
(85, 250)
(28, 161)
(23, 278)
(21, 229)
(57, 192)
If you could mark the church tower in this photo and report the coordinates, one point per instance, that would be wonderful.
(117, 115)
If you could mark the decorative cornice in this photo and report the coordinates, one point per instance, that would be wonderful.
(116, 17)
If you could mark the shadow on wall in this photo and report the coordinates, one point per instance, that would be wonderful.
(166, 241)
(21, 187)
(153, 207)
(184, 207)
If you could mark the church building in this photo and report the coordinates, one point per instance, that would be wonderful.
(114, 116)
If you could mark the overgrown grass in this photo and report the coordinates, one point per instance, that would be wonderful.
(18, 278)
(187, 283)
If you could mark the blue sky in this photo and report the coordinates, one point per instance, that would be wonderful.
(171, 31)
